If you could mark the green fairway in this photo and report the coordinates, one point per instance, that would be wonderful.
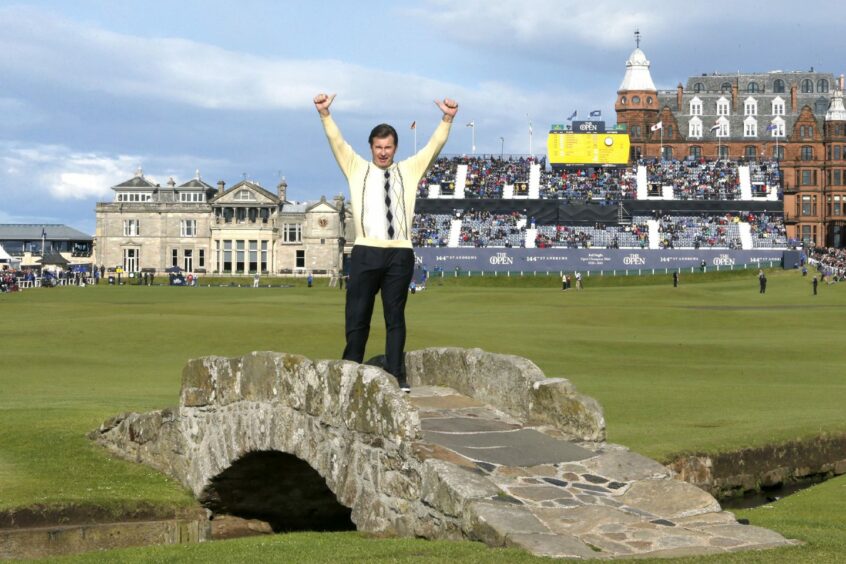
(710, 366)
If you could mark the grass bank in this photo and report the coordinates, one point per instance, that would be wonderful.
(710, 366)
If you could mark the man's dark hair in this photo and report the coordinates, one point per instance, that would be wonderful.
(383, 130)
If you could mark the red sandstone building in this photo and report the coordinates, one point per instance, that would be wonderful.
(795, 117)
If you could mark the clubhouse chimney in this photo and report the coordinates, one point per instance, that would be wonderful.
(220, 187)
(282, 189)
(794, 99)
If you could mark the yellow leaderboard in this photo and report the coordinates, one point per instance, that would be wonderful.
(587, 148)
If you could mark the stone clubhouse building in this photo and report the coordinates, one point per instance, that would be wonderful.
(199, 228)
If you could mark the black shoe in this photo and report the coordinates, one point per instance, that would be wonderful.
(403, 385)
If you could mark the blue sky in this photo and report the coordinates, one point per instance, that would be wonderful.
(90, 90)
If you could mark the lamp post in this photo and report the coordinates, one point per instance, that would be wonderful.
(472, 126)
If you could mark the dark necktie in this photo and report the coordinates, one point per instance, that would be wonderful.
(389, 215)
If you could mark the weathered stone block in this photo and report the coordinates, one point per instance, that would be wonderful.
(555, 402)
(449, 488)
(197, 383)
(669, 498)
(492, 523)
(626, 466)
(226, 372)
(552, 546)
(258, 376)
(145, 428)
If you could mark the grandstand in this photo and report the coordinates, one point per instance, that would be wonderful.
(516, 202)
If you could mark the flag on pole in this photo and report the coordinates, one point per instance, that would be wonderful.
(43, 233)
(471, 124)
(772, 127)
(716, 127)
(530, 128)
(657, 126)
(574, 114)
(414, 124)
(596, 113)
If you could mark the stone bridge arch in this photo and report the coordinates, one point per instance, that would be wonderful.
(486, 448)
(349, 422)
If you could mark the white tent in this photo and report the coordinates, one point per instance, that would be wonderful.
(6, 258)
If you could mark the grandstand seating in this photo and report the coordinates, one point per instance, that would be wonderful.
(484, 229)
(430, 230)
(496, 178)
(521, 177)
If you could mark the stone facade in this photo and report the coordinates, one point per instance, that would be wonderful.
(199, 228)
(808, 138)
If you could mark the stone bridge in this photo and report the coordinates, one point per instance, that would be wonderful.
(485, 448)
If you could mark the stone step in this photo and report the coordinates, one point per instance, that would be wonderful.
(556, 498)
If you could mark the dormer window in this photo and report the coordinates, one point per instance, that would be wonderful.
(192, 197)
(778, 106)
(753, 87)
(135, 197)
(696, 106)
(723, 130)
(694, 128)
(778, 86)
(750, 127)
(722, 106)
(807, 86)
(750, 106)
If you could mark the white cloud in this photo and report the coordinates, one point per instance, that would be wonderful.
(571, 31)
(70, 55)
(56, 171)
(546, 24)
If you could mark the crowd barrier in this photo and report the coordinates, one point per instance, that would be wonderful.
(497, 260)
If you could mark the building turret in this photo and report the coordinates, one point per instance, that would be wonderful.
(637, 99)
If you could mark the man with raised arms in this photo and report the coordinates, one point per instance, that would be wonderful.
(382, 195)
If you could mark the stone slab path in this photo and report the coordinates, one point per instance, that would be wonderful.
(560, 499)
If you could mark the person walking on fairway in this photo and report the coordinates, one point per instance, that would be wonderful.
(382, 196)
(762, 281)
(814, 282)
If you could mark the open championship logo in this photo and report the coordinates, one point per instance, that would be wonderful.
(633, 258)
(723, 260)
(501, 258)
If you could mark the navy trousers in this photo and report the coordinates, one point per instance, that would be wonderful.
(374, 270)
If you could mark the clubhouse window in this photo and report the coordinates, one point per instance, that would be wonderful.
(292, 232)
(131, 227)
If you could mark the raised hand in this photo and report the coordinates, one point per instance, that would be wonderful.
(322, 102)
(449, 107)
